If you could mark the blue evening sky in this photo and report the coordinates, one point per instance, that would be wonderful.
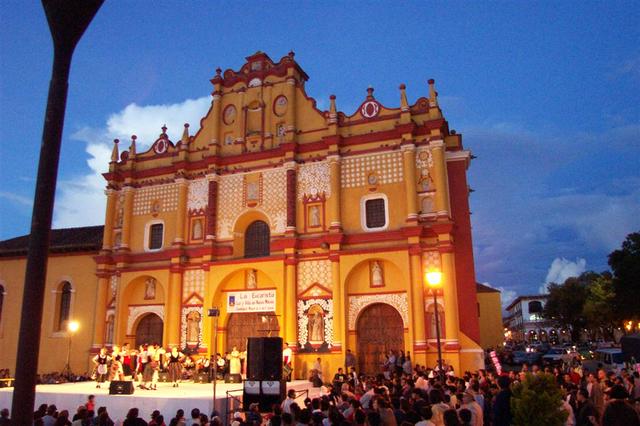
(546, 94)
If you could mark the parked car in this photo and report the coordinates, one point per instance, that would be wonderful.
(557, 355)
(520, 357)
(610, 359)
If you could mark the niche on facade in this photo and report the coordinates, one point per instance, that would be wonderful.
(315, 325)
(314, 212)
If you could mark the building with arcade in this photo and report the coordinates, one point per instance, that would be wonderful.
(317, 226)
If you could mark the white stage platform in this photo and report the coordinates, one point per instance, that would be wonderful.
(167, 399)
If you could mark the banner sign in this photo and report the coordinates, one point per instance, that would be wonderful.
(251, 301)
(496, 362)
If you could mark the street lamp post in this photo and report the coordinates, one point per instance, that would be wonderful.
(215, 313)
(72, 327)
(433, 279)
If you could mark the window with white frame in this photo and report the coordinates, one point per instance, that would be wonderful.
(374, 212)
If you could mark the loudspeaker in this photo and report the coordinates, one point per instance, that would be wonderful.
(265, 394)
(202, 378)
(120, 388)
(233, 378)
(264, 358)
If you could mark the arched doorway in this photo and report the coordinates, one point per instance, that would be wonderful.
(379, 329)
(250, 324)
(149, 330)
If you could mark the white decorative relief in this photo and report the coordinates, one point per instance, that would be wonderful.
(360, 302)
(155, 199)
(198, 197)
(303, 320)
(230, 193)
(192, 282)
(314, 271)
(274, 198)
(136, 312)
(314, 179)
(113, 285)
(431, 261)
(386, 167)
(184, 324)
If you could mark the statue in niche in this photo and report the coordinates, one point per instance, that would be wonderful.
(193, 326)
(376, 274)
(150, 289)
(314, 216)
(252, 191)
(252, 281)
(316, 324)
(196, 232)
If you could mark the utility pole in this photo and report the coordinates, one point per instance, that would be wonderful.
(68, 20)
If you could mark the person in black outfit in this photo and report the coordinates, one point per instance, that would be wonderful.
(585, 409)
(502, 403)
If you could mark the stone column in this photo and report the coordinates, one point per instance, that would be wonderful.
(409, 166)
(450, 299)
(417, 303)
(440, 177)
(291, 308)
(335, 221)
(107, 239)
(173, 304)
(127, 213)
(183, 188)
(338, 304)
(101, 311)
(212, 207)
(291, 196)
(290, 115)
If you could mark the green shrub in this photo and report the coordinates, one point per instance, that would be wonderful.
(537, 401)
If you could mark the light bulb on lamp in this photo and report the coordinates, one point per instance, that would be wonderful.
(73, 326)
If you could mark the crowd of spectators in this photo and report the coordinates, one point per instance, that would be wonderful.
(400, 397)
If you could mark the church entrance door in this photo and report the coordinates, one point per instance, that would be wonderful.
(379, 329)
(250, 324)
(149, 330)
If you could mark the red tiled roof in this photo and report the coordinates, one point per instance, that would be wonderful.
(86, 238)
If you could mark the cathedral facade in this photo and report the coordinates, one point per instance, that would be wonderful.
(313, 225)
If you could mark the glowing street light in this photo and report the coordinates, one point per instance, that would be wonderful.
(434, 278)
(72, 328)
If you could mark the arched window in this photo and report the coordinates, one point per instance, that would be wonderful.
(256, 240)
(64, 306)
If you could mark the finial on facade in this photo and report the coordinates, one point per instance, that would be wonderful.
(333, 114)
(433, 95)
(291, 54)
(164, 130)
(185, 134)
(370, 92)
(114, 153)
(404, 105)
(218, 71)
(132, 148)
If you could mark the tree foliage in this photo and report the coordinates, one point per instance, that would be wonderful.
(566, 301)
(625, 264)
(537, 401)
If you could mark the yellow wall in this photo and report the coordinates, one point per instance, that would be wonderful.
(79, 270)
(491, 334)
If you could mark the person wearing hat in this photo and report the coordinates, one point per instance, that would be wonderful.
(469, 402)
(253, 416)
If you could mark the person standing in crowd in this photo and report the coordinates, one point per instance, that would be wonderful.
(349, 360)
(502, 403)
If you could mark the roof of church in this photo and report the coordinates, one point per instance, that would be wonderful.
(481, 288)
(86, 238)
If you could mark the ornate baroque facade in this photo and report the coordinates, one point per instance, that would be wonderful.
(336, 215)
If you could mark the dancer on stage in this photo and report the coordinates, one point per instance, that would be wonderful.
(235, 365)
(141, 363)
(287, 362)
(115, 370)
(174, 366)
(100, 361)
(126, 361)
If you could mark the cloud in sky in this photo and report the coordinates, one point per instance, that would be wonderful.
(78, 192)
(560, 270)
(16, 198)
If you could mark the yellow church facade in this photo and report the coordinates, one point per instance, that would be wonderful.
(313, 225)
